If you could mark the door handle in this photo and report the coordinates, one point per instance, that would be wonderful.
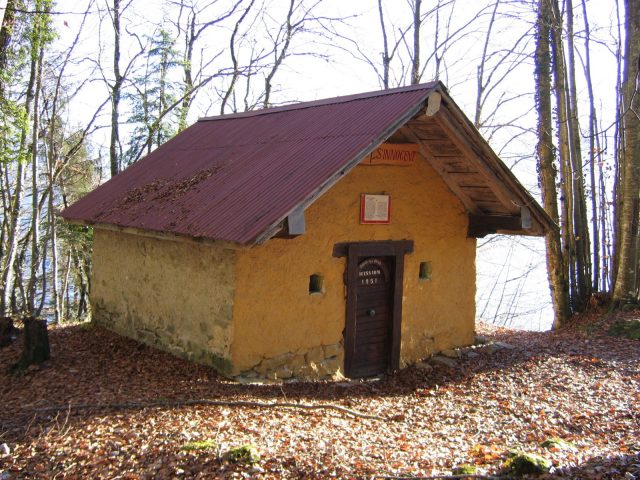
(371, 312)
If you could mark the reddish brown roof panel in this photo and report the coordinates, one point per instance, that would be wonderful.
(233, 177)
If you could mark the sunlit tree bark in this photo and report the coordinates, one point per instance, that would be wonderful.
(116, 92)
(593, 153)
(581, 233)
(626, 285)
(556, 266)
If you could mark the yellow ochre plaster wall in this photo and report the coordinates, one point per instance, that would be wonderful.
(174, 295)
(276, 317)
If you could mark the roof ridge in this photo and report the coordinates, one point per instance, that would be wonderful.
(324, 101)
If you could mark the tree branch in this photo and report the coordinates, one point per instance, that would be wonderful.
(215, 403)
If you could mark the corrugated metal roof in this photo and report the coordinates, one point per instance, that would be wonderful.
(234, 177)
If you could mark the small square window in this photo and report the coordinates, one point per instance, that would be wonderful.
(316, 284)
(425, 271)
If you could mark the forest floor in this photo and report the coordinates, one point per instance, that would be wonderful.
(107, 407)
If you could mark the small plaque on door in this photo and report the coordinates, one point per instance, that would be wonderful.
(375, 209)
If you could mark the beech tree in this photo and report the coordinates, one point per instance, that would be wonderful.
(556, 266)
(579, 267)
(627, 254)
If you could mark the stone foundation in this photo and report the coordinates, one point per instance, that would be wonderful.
(162, 337)
(320, 362)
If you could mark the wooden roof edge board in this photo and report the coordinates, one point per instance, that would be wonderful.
(454, 187)
(158, 235)
(276, 226)
(501, 172)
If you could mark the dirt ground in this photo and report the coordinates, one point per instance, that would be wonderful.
(108, 407)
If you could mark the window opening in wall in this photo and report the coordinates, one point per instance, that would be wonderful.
(316, 284)
(425, 271)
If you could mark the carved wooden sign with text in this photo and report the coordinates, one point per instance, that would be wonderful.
(403, 154)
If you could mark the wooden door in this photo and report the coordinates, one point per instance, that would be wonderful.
(373, 330)
(373, 277)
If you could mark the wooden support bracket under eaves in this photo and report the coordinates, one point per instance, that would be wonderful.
(292, 226)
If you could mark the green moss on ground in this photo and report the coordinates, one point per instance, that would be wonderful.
(465, 470)
(522, 463)
(556, 442)
(243, 454)
(199, 446)
(626, 328)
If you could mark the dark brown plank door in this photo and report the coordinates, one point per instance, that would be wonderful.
(373, 330)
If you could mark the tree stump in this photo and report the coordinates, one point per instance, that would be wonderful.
(7, 331)
(36, 342)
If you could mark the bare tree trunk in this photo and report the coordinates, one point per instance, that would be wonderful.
(605, 227)
(626, 285)
(480, 75)
(547, 171)
(580, 222)
(61, 304)
(114, 142)
(618, 156)
(43, 269)
(5, 36)
(57, 309)
(575, 232)
(436, 44)
(35, 210)
(6, 202)
(564, 148)
(415, 63)
(11, 210)
(192, 31)
(8, 266)
(593, 128)
(234, 59)
(386, 57)
(84, 282)
(280, 56)
(188, 73)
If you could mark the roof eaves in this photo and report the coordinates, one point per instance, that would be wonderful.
(506, 175)
(159, 234)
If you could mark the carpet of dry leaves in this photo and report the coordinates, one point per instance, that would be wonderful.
(577, 384)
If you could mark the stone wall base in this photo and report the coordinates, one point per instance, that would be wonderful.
(162, 339)
(320, 362)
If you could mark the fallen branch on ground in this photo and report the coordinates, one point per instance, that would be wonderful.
(215, 403)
